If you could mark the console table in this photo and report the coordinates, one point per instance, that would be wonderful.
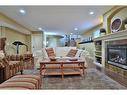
(62, 67)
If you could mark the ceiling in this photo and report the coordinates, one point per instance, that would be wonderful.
(56, 19)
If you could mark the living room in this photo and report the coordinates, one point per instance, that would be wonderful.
(87, 44)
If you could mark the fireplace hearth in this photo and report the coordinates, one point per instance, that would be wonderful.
(117, 55)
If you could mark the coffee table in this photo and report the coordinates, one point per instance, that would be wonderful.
(62, 67)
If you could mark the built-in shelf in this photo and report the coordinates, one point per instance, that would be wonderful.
(98, 56)
(119, 34)
(97, 51)
(86, 42)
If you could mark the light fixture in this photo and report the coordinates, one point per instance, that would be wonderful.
(40, 28)
(22, 11)
(75, 29)
(91, 13)
(71, 33)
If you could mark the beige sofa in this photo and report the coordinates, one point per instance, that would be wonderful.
(40, 55)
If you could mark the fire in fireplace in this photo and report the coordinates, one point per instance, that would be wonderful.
(117, 55)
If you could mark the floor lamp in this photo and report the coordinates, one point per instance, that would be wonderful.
(17, 43)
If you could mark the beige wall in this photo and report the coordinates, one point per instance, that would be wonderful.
(14, 31)
(12, 36)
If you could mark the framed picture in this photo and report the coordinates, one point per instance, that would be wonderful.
(116, 25)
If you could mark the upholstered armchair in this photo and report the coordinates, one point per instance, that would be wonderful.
(11, 67)
(17, 61)
(11, 63)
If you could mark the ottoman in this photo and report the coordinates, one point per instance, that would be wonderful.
(29, 80)
(23, 82)
(37, 77)
(17, 84)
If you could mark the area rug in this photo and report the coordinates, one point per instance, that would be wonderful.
(93, 79)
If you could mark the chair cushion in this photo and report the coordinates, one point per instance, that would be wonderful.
(50, 52)
(72, 53)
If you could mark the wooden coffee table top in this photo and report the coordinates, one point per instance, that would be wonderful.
(63, 61)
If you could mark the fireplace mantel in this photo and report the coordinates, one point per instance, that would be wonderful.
(120, 35)
(118, 38)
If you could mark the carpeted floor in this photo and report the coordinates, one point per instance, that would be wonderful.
(94, 79)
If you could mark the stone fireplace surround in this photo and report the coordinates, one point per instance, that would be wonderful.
(119, 38)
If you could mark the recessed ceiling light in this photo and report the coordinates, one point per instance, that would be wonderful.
(22, 11)
(40, 28)
(91, 13)
(75, 29)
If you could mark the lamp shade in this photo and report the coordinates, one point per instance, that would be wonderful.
(17, 43)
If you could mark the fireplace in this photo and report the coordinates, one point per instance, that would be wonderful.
(117, 55)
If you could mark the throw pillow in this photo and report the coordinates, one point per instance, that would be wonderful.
(72, 53)
(50, 52)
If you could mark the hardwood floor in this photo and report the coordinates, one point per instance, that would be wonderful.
(115, 76)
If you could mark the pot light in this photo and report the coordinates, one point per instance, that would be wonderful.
(91, 13)
(75, 29)
(40, 28)
(22, 11)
